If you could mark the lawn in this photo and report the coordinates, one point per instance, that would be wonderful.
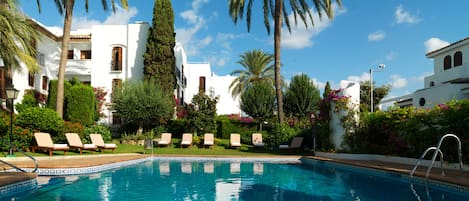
(220, 149)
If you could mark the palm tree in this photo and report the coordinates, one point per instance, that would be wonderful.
(67, 6)
(257, 66)
(277, 10)
(18, 38)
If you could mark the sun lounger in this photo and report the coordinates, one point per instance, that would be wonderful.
(295, 144)
(186, 140)
(208, 139)
(165, 139)
(44, 141)
(74, 141)
(235, 140)
(257, 140)
(97, 139)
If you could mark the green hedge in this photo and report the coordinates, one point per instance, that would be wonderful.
(81, 104)
(409, 131)
(43, 120)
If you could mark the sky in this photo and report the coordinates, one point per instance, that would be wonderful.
(362, 35)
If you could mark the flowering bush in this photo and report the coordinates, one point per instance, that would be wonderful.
(340, 102)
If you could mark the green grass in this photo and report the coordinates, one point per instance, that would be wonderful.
(221, 149)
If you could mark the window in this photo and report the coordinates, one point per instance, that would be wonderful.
(2, 82)
(40, 59)
(447, 63)
(85, 54)
(116, 119)
(45, 82)
(31, 79)
(422, 102)
(116, 84)
(5, 80)
(432, 84)
(457, 58)
(70, 54)
(116, 63)
(201, 84)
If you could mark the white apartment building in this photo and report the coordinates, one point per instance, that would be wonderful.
(450, 80)
(106, 55)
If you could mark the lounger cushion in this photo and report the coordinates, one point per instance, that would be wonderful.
(60, 146)
(208, 143)
(89, 146)
(185, 142)
(110, 146)
(283, 146)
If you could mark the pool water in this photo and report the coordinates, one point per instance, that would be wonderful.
(234, 180)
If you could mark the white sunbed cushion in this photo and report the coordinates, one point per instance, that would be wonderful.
(185, 142)
(259, 144)
(236, 144)
(208, 143)
(110, 145)
(162, 142)
(283, 146)
(60, 146)
(89, 146)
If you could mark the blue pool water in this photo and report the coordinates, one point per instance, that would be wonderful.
(230, 180)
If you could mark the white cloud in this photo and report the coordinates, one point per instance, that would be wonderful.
(390, 56)
(434, 44)
(187, 35)
(300, 36)
(403, 16)
(121, 16)
(398, 82)
(363, 77)
(376, 36)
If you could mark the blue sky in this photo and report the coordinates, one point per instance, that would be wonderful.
(363, 35)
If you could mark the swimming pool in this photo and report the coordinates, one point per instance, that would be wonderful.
(189, 179)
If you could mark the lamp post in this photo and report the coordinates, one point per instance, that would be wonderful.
(11, 95)
(380, 68)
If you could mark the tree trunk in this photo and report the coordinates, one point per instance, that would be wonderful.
(63, 56)
(277, 34)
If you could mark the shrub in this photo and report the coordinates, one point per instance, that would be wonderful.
(99, 129)
(81, 104)
(28, 101)
(74, 127)
(43, 120)
(281, 134)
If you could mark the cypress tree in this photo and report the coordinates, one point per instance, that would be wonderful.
(159, 59)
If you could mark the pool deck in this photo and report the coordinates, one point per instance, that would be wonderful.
(6, 178)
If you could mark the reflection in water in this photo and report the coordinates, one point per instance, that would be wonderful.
(164, 168)
(208, 167)
(186, 167)
(235, 167)
(228, 190)
(258, 168)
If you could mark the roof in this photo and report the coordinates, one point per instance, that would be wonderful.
(452, 45)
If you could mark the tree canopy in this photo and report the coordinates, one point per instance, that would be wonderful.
(141, 102)
(301, 97)
(257, 67)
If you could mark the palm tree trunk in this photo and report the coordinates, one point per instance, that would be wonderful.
(277, 34)
(63, 56)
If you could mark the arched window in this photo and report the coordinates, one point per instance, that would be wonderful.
(457, 58)
(447, 62)
(116, 63)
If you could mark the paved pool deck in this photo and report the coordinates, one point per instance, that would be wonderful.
(6, 178)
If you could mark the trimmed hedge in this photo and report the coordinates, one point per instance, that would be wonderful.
(81, 104)
(42, 120)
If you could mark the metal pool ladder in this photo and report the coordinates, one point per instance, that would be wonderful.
(438, 151)
(16, 167)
